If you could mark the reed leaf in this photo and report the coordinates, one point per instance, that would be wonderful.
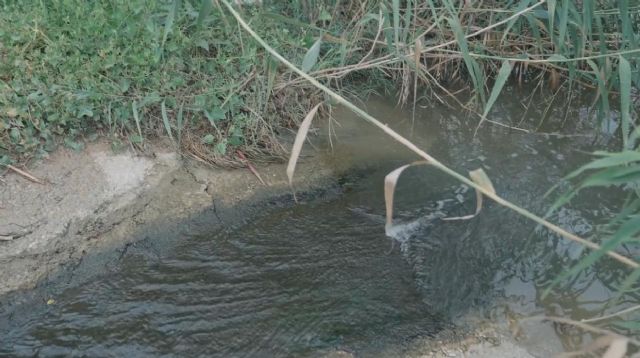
(470, 62)
(301, 136)
(165, 120)
(614, 170)
(168, 25)
(535, 25)
(395, 8)
(507, 30)
(311, 57)
(628, 35)
(614, 176)
(180, 123)
(601, 34)
(390, 183)
(587, 19)
(386, 28)
(562, 27)
(603, 90)
(626, 230)
(630, 282)
(407, 22)
(503, 76)
(205, 10)
(630, 206)
(551, 6)
(434, 16)
(610, 160)
(272, 71)
(624, 70)
(136, 118)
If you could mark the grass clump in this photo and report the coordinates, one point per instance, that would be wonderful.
(73, 70)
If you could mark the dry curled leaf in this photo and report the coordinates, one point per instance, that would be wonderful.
(297, 144)
(554, 79)
(418, 51)
(390, 182)
(617, 349)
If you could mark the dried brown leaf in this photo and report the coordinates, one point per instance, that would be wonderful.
(554, 79)
(297, 144)
(617, 349)
(390, 182)
(418, 52)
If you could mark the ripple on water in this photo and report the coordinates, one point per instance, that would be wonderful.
(299, 281)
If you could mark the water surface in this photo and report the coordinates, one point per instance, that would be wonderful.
(305, 280)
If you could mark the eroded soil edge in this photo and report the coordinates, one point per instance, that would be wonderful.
(96, 200)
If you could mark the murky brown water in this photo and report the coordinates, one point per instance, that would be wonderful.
(307, 279)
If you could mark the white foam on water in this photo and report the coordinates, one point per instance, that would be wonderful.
(403, 232)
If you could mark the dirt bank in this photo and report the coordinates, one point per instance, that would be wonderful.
(97, 199)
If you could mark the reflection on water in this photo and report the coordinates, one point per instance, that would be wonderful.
(304, 280)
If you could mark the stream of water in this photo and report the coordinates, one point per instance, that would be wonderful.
(308, 279)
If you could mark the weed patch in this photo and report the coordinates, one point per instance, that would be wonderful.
(72, 71)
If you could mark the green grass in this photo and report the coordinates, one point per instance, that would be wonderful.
(73, 70)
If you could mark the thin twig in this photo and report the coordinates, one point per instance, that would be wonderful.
(616, 314)
(251, 167)
(373, 45)
(25, 174)
(507, 126)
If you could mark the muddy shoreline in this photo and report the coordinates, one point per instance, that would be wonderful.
(97, 200)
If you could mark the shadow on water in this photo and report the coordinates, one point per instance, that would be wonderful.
(294, 281)
(302, 280)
